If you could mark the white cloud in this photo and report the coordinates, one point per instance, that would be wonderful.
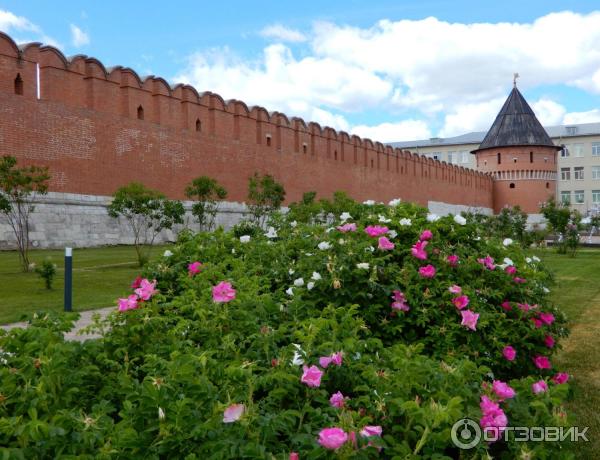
(591, 116)
(281, 33)
(548, 112)
(78, 37)
(406, 130)
(465, 118)
(9, 22)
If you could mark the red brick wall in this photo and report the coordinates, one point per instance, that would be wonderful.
(85, 129)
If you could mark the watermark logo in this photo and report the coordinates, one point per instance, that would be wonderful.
(467, 433)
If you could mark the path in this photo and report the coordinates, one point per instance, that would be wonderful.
(85, 319)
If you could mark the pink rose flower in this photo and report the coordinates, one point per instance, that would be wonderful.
(311, 376)
(399, 302)
(452, 260)
(546, 318)
(455, 289)
(518, 280)
(130, 303)
(336, 358)
(385, 244)
(347, 228)
(539, 387)
(506, 305)
(337, 400)
(371, 430)
(426, 235)
(511, 270)
(233, 413)
(194, 268)
(537, 322)
(524, 307)
(294, 456)
(428, 271)
(223, 292)
(136, 282)
(146, 289)
(332, 438)
(549, 341)
(460, 302)
(503, 390)
(509, 353)
(376, 230)
(324, 361)
(561, 377)
(469, 319)
(418, 250)
(487, 262)
(542, 362)
(494, 419)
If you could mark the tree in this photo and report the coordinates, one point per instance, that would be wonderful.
(205, 191)
(265, 195)
(564, 223)
(18, 190)
(148, 212)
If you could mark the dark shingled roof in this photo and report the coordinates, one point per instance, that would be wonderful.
(516, 124)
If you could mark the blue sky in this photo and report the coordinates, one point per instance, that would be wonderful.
(389, 70)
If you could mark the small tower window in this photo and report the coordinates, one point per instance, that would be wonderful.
(530, 157)
(371, 163)
(268, 140)
(335, 154)
(198, 125)
(303, 148)
(514, 160)
(547, 184)
(19, 85)
(140, 112)
(512, 185)
(499, 158)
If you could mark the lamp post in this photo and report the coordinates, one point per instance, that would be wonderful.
(68, 279)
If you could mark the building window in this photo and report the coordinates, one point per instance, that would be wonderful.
(530, 157)
(435, 155)
(565, 197)
(464, 157)
(514, 160)
(512, 185)
(596, 172)
(564, 153)
(596, 196)
(577, 150)
(499, 158)
(565, 173)
(19, 85)
(268, 140)
(571, 130)
(198, 125)
(335, 154)
(596, 149)
(371, 163)
(579, 195)
(451, 157)
(578, 172)
(140, 112)
(304, 148)
(547, 184)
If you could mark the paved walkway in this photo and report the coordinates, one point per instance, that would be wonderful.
(85, 319)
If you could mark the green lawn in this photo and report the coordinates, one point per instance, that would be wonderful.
(578, 293)
(100, 276)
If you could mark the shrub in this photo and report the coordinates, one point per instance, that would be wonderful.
(274, 343)
(265, 196)
(47, 271)
(205, 191)
(565, 223)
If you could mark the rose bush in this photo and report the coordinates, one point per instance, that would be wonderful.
(310, 340)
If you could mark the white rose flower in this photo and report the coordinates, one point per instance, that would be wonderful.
(383, 219)
(545, 289)
(369, 202)
(245, 239)
(395, 202)
(316, 276)
(324, 245)
(536, 259)
(310, 285)
(167, 253)
(297, 359)
(299, 282)
(392, 233)
(345, 216)
(508, 261)
(363, 265)
(271, 233)
(528, 260)
(507, 242)
(370, 249)
(432, 217)
(233, 251)
(405, 222)
(293, 224)
(460, 220)
(290, 291)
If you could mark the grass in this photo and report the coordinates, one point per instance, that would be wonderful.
(578, 293)
(100, 275)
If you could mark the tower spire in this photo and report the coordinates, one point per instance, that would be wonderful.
(515, 76)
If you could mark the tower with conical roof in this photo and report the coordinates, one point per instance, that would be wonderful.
(520, 155)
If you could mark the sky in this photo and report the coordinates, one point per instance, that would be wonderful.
(387, 70)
